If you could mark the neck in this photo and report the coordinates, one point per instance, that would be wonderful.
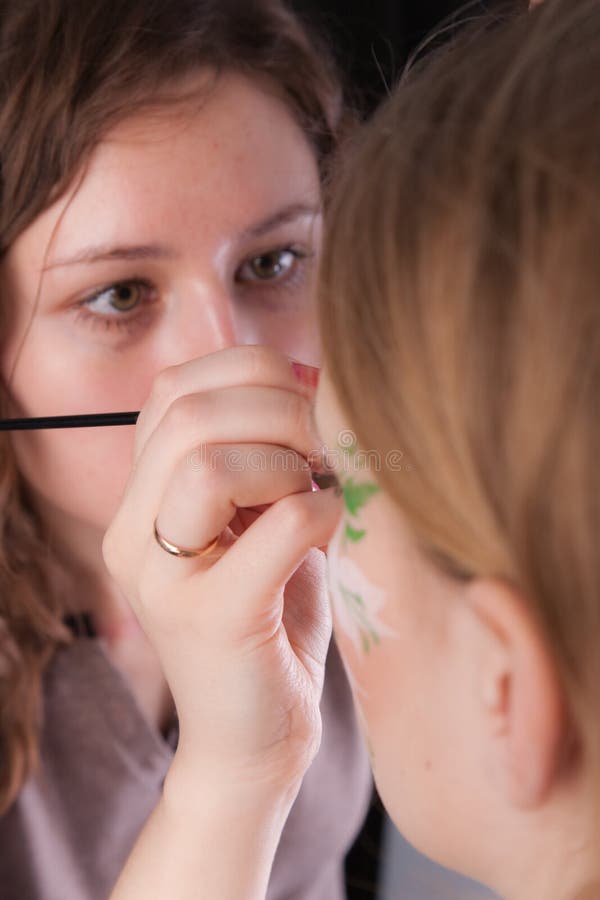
(558, 845)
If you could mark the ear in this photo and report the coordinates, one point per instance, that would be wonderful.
(527, 727)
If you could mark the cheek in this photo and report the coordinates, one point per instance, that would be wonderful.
(81, 472)
(58, 373)
(391, 660)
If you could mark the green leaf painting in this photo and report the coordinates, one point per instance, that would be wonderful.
(356, 494)
(354, 534)
(357, 608)
(357, 602)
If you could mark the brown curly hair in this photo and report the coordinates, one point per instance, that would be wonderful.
(69, 71)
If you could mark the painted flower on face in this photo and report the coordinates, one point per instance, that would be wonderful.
(356, 601)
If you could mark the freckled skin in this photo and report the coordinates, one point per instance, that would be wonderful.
(193, 184)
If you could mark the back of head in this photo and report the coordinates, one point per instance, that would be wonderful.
(460, 291)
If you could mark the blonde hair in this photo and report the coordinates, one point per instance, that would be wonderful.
(460, 313)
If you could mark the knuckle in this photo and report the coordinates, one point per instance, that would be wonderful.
(254, 364)
(110, 549)
(261, 363)
(216, 464)
(201, 468)
(165, 387)
(166, 384)
(185, 411)
(118, 560)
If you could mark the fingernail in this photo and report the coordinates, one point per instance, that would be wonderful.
(308, 375)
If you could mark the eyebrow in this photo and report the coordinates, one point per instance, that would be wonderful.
(110, 253)
(283, 217)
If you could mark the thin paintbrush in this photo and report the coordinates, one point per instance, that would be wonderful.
(95, 419)
(306, 374)
(82, 421)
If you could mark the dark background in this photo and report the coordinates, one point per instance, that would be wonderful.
(373, 40)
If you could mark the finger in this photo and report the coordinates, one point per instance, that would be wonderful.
(238, 415)
(247, 365)
(307, 612)
(200, 502)
(250, 414)
(265, 557)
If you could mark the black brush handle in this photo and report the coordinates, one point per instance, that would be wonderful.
(88, 420)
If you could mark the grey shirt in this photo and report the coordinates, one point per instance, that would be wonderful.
(102, 766)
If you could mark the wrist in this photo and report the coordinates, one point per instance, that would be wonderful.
(189, 788)
(238, 825)
(209, 832)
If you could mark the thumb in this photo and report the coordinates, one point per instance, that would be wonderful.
(267, 554)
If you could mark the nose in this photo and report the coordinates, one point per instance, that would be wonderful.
(216, 320)
(204, 322)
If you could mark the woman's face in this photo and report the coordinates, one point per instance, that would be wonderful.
(190, 231)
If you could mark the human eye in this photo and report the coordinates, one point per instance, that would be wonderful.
(122, 305)
(282, 264)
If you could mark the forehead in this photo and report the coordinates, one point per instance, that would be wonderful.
(230, 120)
(232, 155)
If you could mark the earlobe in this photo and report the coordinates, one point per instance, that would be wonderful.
(522, 698)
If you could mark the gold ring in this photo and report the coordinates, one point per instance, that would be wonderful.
(180, 552)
